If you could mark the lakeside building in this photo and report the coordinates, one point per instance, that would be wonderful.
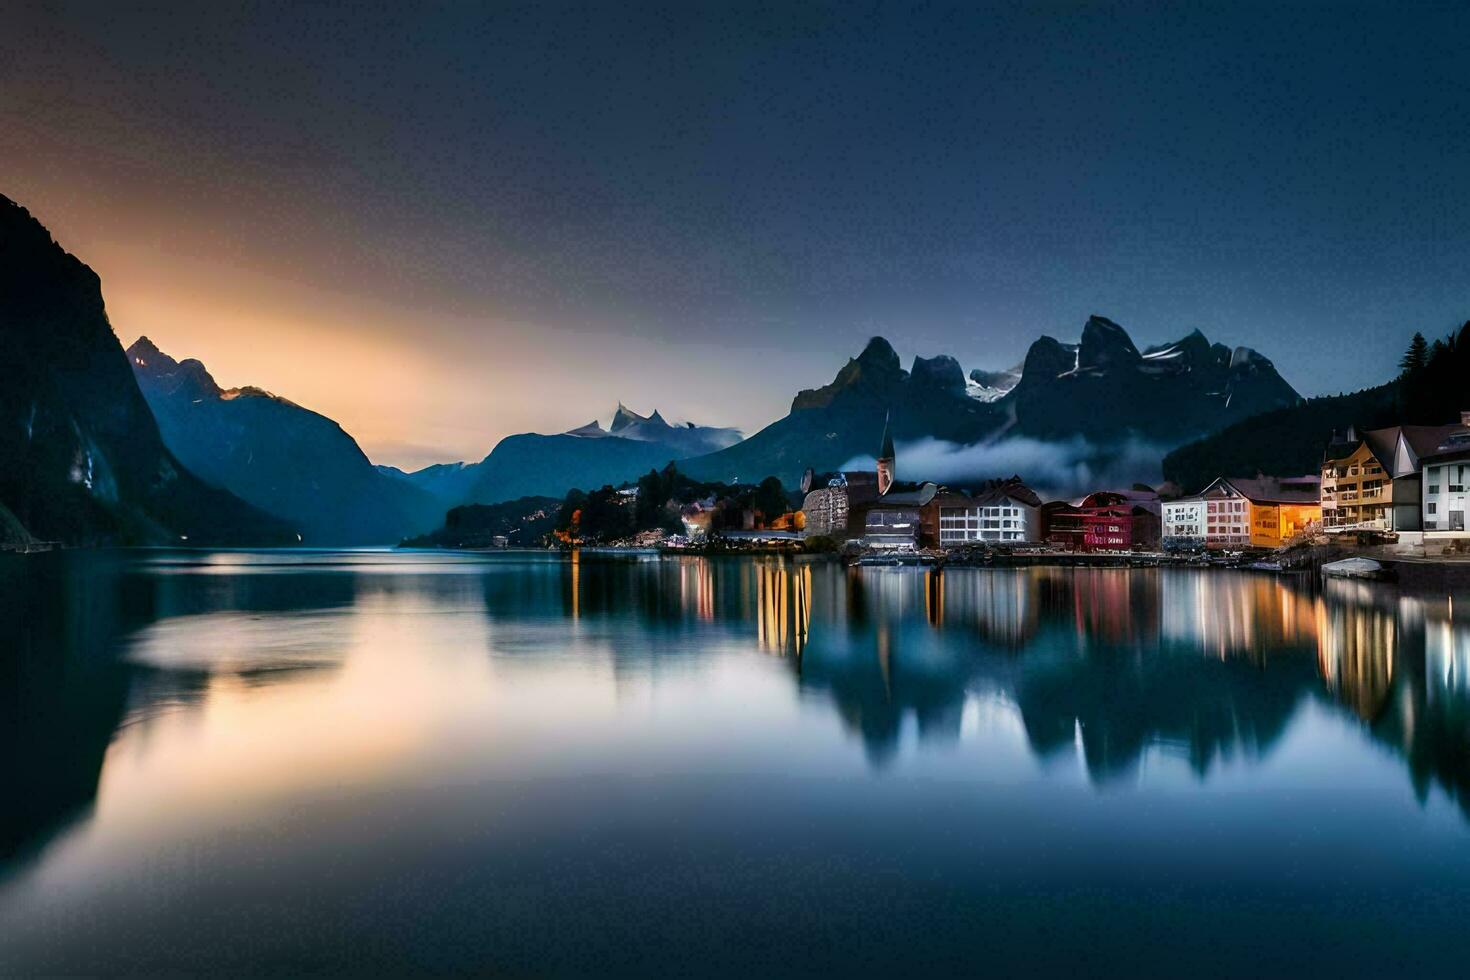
(828, 500)
(1106, 520)
(1375, 481)
(1184, 524)
(1061, 525)
(873, 507)
(1446, 476)
(1232, 512)
(1121, 520)
(1002, 512)
(894, 522)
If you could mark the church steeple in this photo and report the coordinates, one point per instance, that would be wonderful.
(886, 460)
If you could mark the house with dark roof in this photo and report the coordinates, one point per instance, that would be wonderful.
(1373, 481)
(1237, 513)
(1105, 520)
(1121, 520)
(894, 521)
(1446, 475)
(873, 507)
(1000, 512)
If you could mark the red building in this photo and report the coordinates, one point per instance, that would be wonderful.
(1121, 521)
(1061, 525)
(1108, 520)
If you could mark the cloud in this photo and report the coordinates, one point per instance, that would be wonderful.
(1064, 468)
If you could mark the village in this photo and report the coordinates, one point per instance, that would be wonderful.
(1398, 490)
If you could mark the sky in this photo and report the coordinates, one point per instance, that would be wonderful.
(440, 225)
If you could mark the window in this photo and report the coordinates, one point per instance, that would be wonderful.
(1430, 507)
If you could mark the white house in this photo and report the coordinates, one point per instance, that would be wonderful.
(1446, 476)
(1006, 513)
(1184, 523)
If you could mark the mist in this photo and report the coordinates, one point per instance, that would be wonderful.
(1054, 469)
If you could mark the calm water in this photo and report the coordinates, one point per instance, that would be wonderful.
(413, 762)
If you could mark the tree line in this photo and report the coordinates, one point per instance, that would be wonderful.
(610, 514)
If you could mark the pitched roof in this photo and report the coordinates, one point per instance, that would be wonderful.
(1273, 490)
(1424, 440)
(917, 496)
(1012, 489)
(1436, 440)
(1383, 444)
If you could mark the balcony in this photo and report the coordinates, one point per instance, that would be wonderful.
(1348, 524)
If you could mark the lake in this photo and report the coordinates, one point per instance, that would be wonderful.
(376, 762)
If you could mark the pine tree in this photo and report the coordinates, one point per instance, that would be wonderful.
(1416, 356)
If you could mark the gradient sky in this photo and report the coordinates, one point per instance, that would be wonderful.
(443, 225)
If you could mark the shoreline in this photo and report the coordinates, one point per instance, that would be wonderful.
(1410, 571)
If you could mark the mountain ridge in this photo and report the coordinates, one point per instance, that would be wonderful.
(277, 455)
(1101, 388)
(82, 460)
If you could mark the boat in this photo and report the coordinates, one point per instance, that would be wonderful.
(1360, 568)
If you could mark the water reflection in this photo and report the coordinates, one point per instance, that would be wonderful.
(211, 670)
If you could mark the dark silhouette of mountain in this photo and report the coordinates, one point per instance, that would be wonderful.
(81, 458)
(449, 483)
(1102, 388)
(283, 458)
(531, 464)
(1285, 442)
(1292, 440)
(535, 465)
(830, 425)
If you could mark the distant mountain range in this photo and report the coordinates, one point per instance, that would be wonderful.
(81, 457)
(1101, 388)
(90, 451)
(531, 464)
(1292, 440)
(282, 458)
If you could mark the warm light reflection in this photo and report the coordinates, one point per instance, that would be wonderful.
(1236, 616)
(783, 606)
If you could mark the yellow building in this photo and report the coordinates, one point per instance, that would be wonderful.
(1265, 512)
(1373, 481)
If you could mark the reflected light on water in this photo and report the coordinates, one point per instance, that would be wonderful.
(316, 747)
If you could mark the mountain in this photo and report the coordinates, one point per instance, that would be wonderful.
(830, 425)
(1285, 442)
(687, 439)
(282, 458)
(535, 465)
(990, 386)
(449, 483)
(1291, 441)
(1102, 388)
(81, 457)
(531, 464)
